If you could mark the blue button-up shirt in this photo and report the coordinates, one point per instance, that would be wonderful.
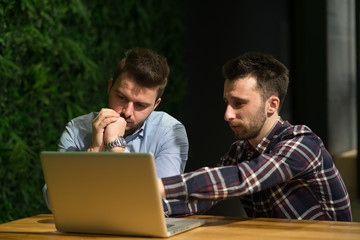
(161, 134)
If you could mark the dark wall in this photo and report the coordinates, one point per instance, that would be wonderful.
(308, 54)
(217, 31)
(358, 87)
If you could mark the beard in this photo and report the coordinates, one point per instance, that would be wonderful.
(253, 129)
(131, 127)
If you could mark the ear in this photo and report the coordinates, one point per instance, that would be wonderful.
(109, 85)
(273, 103)
(157, 103)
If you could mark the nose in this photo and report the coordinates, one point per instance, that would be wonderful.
(229, 113)
(128, 110)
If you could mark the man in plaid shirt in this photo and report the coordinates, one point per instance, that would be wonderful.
(278, 170)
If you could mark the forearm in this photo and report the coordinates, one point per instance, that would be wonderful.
(179, 208)
(46, 197)
(115, 149)
(68, 141)
(205, 184)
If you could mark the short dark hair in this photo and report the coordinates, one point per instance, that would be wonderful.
(144, 67)
(271, 75)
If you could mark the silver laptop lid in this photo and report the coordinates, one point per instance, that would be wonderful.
(107, 193)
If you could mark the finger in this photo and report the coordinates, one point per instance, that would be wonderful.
(107, 113)
(104, 117)
(101, 125)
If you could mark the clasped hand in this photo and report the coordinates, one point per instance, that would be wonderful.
(106, 127)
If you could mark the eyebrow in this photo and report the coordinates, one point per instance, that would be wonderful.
(120, 93)
(142, 103)
(235, 98)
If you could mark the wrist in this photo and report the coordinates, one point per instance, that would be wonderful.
(117, 149)
(117, 143)
(93, 149)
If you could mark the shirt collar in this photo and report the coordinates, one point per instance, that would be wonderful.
(141, 130)
(139, 133)
(261, 147)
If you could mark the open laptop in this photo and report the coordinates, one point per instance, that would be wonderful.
(108, 193)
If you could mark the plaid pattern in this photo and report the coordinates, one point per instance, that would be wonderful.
(290, 175)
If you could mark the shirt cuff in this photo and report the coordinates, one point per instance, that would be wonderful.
(175, 187)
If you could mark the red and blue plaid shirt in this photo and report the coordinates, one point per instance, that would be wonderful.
(290, 174)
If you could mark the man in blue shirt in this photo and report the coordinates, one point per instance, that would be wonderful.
(130, 124)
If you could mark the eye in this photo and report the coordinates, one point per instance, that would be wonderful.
(141, 106)
(121, 97)
(238, 104)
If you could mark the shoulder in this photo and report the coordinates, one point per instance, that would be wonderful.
(297, 134)
(162, 119)
(83, 120)
(162, 125)
(288, 130)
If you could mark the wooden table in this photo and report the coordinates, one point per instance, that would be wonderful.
(216, 227)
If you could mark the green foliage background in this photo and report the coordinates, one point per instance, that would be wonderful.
(55, 61)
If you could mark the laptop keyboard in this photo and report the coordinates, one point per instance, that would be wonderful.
(169, 225)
